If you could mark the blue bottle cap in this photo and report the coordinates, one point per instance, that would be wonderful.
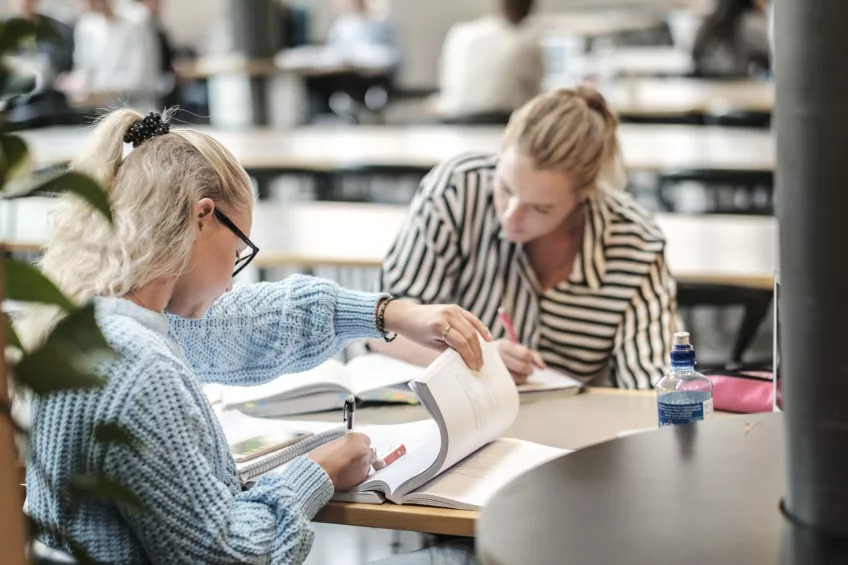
(682, 354)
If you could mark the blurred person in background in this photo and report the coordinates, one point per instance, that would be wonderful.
(733, 41)
(362, 35)
(58, 54)
(492, 65)
(368, 41)
(44, 61)
(169, 76)
(116, 55)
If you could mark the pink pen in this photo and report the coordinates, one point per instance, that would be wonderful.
(507, 324)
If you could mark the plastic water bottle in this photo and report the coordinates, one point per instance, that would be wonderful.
(684, 395)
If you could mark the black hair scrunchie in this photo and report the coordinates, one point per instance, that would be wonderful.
(142, 130)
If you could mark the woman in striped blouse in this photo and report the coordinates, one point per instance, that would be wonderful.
(578, 266)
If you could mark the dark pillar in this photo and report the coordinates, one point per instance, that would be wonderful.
(812, 183)
(255, 25)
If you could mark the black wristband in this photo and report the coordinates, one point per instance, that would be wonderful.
(381, 321)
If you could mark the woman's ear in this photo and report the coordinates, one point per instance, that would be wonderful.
(205, 209)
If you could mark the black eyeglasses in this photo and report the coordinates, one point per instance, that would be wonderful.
(246, 256)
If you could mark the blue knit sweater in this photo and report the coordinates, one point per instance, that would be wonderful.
(184, 473)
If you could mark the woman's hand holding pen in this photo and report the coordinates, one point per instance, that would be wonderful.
(439, 326)
(346, 460)
(520, 360)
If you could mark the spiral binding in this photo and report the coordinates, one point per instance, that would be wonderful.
(283, 456)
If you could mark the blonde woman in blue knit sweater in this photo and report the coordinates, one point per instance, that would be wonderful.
(161, 284)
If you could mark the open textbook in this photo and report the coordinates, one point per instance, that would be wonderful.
(372, 377)
(457, 459)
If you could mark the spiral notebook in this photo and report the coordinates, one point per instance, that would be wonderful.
(249, 470)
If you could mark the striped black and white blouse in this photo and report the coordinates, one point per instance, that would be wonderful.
(617, 308)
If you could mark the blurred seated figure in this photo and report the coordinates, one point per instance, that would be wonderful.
(492, 65)
(57, 56)
(116, 55)
(44, 61)
(151, 13)
(733, 40)
(363, 38)
(368, 43)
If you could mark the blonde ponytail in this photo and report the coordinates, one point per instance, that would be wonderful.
(154, 192)
(571, 130)
(101, 159)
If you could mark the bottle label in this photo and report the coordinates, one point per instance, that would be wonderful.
(677, 414)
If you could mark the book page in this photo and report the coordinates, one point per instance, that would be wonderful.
(422, 443)
(471, 408)
(472, 482)
(373, 371)
(328, 376)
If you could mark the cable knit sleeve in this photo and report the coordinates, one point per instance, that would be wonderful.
(259, 331)
(191, 516)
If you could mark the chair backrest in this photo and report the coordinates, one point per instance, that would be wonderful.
(500, 118)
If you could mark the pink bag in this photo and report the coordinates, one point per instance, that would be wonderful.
(745, 392)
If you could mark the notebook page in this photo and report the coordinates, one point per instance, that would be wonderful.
(373, 371)
(472, 408)
(472, 482)
(548, 379)
(329, 375)
(238, 427)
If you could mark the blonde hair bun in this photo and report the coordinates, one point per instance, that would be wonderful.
(569, 129)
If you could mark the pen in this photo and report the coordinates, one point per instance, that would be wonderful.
(507, 324)
(349, 408)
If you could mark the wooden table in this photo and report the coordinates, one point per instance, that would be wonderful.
(326, 149)
(736, 250)
(644, 62)
(249, 92)
(567, 422)
(675, 97)
(309, 61)
(594, 23)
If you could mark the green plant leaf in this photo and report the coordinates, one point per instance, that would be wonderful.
(15, 156)
(10, 336)
(104, 488)
(69, 181)
(15, 84)
(68, 357)
(115, 433)
(25, 283)
(80, 330)
(36, 529)
(14, 32)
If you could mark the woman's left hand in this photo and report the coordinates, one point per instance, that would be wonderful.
(438, 326)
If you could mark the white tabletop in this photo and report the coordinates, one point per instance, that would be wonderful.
(325, 148)
(682, 96)
(740, 250)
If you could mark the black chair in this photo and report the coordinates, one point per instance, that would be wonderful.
(497, 118)
(686, 119)
(728, 191)
(358, 183)
(755, 301)
(740, 118)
